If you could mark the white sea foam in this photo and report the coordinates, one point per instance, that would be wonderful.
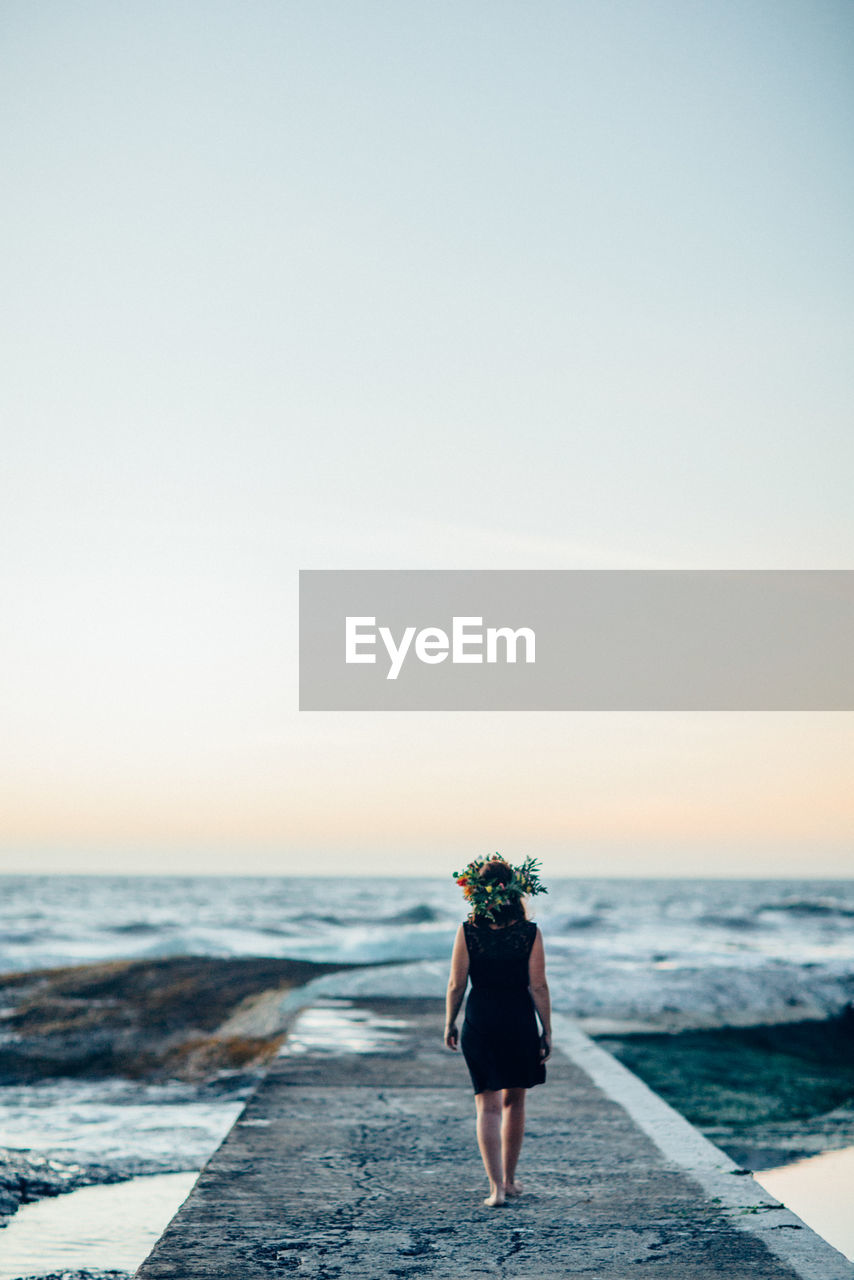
(127, 1125)
(607, 993)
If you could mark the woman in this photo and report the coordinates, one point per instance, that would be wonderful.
(502, 952)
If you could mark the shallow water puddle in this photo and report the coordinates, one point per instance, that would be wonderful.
(337, 1026)
(819, 1190)
(112, 1227)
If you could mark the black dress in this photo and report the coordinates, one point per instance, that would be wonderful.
(500, 1039)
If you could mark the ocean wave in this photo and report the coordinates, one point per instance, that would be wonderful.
(421, 914)
(811, 907)
(136, 927)
(725, 921)
(574, 923)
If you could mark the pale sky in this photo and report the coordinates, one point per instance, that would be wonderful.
(407, 285)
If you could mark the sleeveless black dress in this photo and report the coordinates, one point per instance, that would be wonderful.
(500, 1039)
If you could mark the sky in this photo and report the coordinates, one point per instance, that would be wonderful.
(366, 285)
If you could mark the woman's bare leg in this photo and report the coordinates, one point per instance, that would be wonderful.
(488, 1105)
(512, 1133)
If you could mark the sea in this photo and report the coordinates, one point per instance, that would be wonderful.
(702, 952)
(621, 955)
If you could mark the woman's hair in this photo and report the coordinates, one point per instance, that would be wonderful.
(497, 871)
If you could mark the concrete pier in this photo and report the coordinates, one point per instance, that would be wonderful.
(364, 1165)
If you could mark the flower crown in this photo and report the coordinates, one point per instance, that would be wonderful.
(485, 896)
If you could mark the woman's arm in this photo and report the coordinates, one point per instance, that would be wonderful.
(456, 987)
(540, 992)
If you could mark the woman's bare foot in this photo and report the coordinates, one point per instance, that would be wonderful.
(495, 1198)
(513, 1188)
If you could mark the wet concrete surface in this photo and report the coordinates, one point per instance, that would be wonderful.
(365, 1165)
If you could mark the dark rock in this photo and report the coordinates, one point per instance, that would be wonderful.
(143, 1019)
(25, 1178)
(82, 1275)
